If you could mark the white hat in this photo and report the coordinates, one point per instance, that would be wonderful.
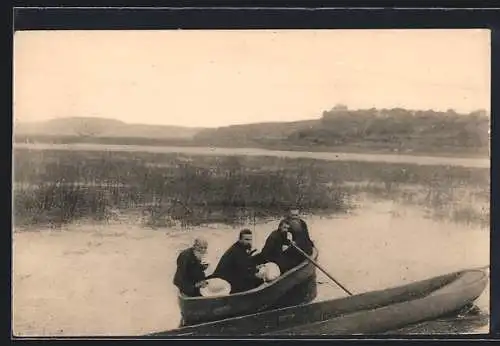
(269, 271)
(216, 287)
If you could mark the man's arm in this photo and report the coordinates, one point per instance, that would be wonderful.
(304, 225)
(269, 249)
(183, 282)
(223, 267)
(306, 230)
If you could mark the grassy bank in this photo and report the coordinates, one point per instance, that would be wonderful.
(57, 187)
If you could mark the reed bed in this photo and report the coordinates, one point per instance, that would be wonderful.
(57, 187)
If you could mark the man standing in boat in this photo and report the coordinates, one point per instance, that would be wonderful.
(278, 248)
(300, 231)
(190, 275)
(237, 266)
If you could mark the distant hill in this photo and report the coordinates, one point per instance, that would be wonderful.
(339, 129)
(260, 133)
(366, 130)
(399, 130)
(102, 127)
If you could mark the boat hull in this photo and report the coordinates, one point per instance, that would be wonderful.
(294, 287)
(443, 301)
(366, 313)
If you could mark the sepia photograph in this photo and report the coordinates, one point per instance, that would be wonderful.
(251, 183)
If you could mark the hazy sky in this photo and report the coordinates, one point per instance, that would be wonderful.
(216, 78)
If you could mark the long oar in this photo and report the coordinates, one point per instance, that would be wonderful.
(320, 268)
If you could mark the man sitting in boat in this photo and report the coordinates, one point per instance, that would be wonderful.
(278, 247)
(237, 265)
(190, 275)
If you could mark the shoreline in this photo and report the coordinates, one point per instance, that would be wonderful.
(326, 156)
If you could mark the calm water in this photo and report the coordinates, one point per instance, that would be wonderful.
(117, 279)
(384, 245)
(387, 245)
(328, 156)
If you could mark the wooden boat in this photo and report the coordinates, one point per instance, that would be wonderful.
(296, 286)
(366, 313)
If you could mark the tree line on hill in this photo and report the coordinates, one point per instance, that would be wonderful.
(393, 130)
(398, 128)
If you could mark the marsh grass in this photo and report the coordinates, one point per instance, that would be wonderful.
(65, 189)
(161, 190)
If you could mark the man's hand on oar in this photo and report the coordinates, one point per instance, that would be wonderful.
(201, 284)
(288, 242)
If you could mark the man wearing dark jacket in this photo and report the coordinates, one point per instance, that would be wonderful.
(190, 274)
(278, 248)
(237, 266)
(300, 232)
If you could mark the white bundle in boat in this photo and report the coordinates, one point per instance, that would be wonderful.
(269, 272)
(216, 287)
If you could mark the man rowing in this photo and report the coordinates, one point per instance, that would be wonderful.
(299, 230)
(190, 274)
(278, 247)
(237, 266)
